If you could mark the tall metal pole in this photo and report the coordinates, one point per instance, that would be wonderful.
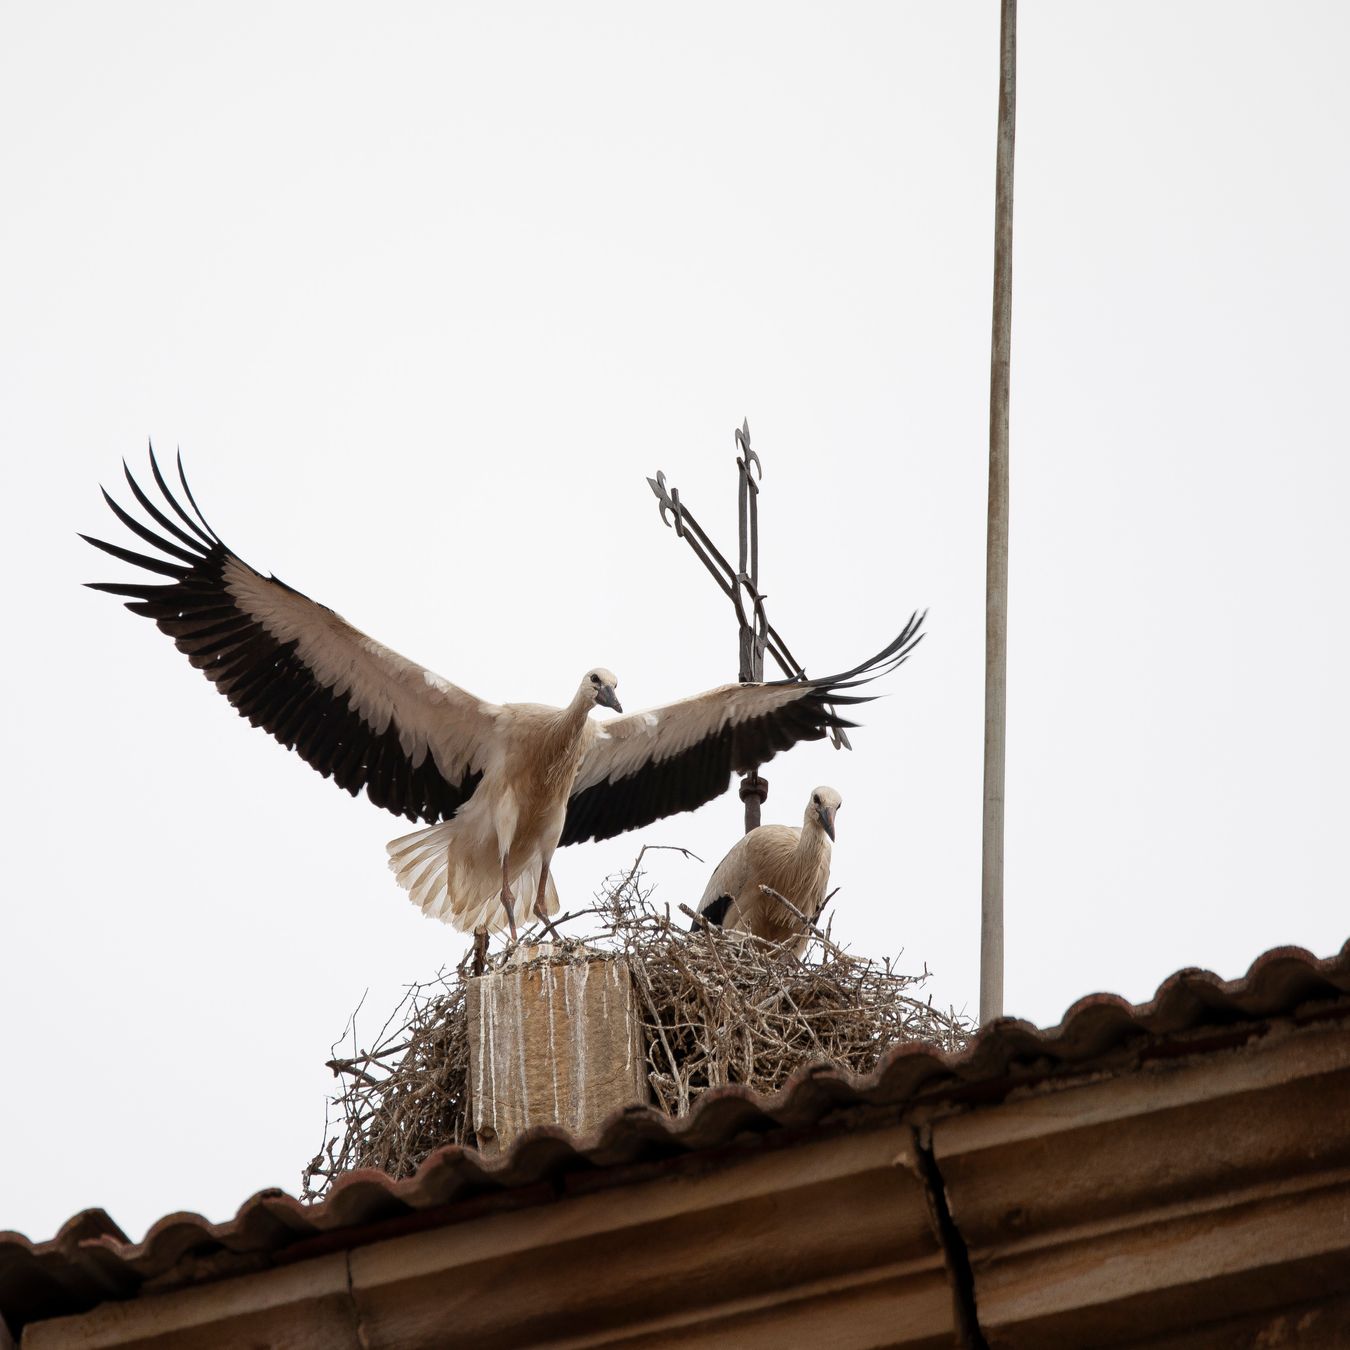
(996, 574)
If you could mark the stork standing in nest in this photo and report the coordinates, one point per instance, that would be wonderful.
(789, 861)
(499, 786)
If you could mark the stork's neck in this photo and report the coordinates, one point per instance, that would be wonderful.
(574, 715)
(558, 754)
(813, 841)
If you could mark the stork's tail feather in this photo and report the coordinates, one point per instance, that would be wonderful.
(429, 865)
(421, 862)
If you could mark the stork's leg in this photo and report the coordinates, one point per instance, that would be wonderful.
(508, 899)
(540, 912)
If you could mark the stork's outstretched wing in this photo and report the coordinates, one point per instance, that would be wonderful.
(359, 713)
(651, 764)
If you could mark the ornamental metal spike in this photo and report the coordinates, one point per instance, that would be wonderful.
(755, 634)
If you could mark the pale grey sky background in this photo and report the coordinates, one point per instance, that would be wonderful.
(425, 292)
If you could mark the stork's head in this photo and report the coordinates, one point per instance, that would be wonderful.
(825, 801)
(598, 685)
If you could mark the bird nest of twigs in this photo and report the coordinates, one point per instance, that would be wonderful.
(715, 1008)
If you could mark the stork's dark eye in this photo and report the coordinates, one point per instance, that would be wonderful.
(815, 801)
(595, 679)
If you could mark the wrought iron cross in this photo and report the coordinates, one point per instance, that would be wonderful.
(741, 586)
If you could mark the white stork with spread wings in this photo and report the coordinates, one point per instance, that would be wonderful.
(499, 786)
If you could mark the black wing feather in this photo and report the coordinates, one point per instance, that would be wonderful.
(686, 780)
(155, 513)
(715, 913)
(208, 539)
(694, 776)
(261, 675)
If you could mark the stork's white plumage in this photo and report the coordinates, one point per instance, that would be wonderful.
(462, 869)
(792, 861)
(500, 786)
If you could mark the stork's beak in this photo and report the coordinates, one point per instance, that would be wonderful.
(608, 698)
(826, 815)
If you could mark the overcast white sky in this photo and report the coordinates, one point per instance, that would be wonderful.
(425, 293)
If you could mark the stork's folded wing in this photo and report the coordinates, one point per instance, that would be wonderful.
(358, 712)
(651, 764)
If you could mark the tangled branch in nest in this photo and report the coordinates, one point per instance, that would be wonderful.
(405, 1098)
(715, 1008)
